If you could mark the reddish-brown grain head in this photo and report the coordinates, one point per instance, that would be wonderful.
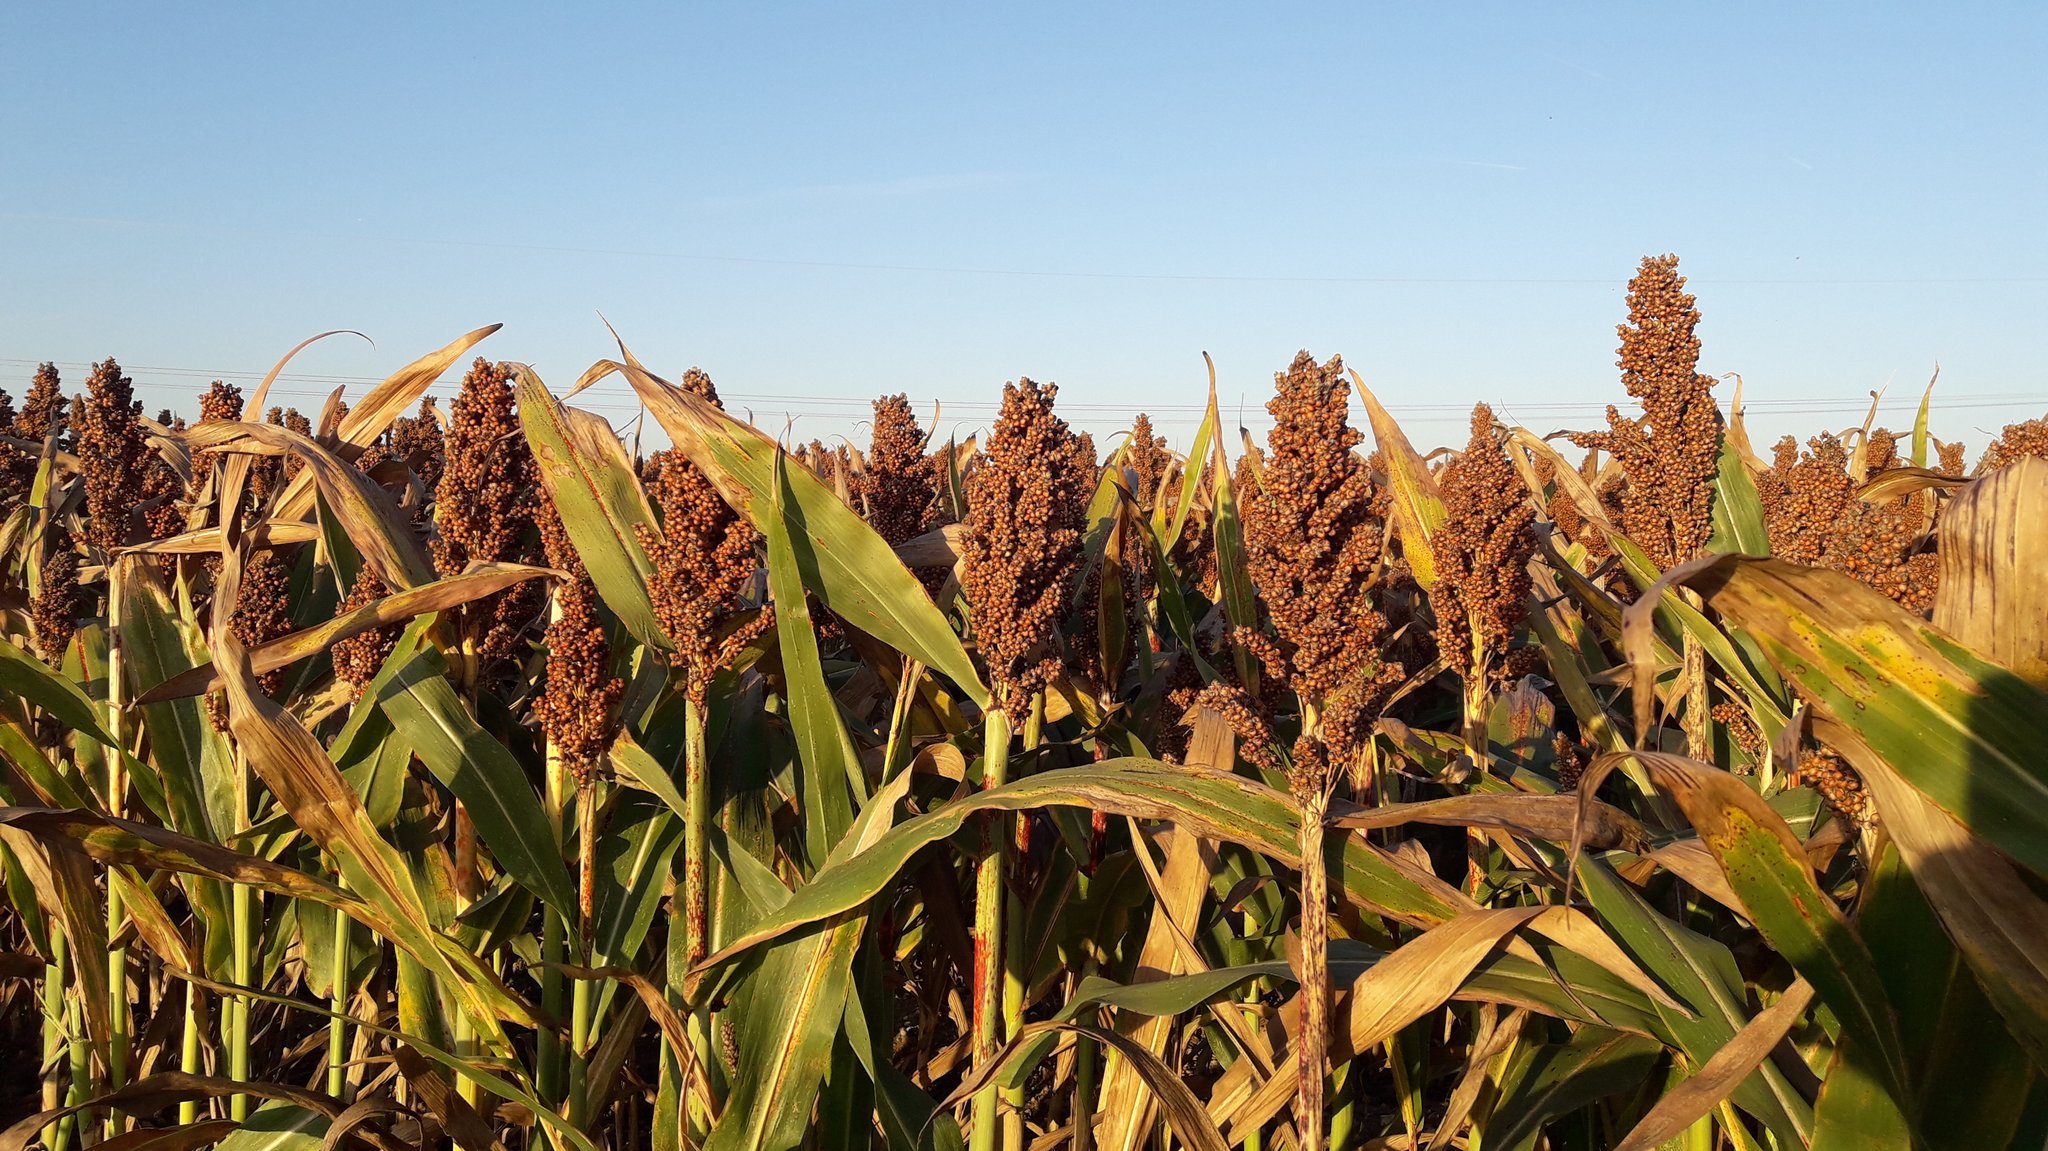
(1027, 507)
(484, 506)
(704, 564)
(1312, 542)
(896, 489)
(1482, 554)
(114, 456)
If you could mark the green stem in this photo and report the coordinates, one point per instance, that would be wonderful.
(550, 1056)
(1315, 972)
(337, 1027)
(54, 1038)
(188, 1054)
(583, 999)
(988, 927)
(1086, 1069)
(238, 1005)
(696, 906)
(81, 1072)
(899, 719)
(117, 788)
(1013, 948)
(579, 1053)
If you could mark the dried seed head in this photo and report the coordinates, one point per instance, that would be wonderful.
(114, 454)
(896, 489)
(267, 473)
(1741, 727)
(1312, 542)
(221, 401)
(1147, 460)
(1149, 468)
(577, 707)
(42, 410)
(1671, 453)
(1027, 507)
(2016, 442)
(263, 607)
(417, 440)
(1805, 497)
(163, 497)
(1247, 720)
(74, 418)
(1571, 760)
(358, 658)
(704, 563)
(17, 467)
(1813, 516)
(1839, 786)
(1949, 459)
(54, 614)
(1482, 555)
(484, 507)
(262, 613)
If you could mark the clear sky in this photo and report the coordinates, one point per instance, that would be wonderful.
(829, 202)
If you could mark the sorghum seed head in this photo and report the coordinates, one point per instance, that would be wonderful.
(1027, 507)
(1482, 554)
(484, 507)
(896, 488)
(115, 455)
(2016, 442)
(1312, 541)
(54, 614)
(704, 562)
(1839, 786)
(1670, 454)
(358, 658)
(43, 409)
(221, 401)
(578, 705)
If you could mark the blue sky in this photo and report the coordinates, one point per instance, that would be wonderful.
(827, 202)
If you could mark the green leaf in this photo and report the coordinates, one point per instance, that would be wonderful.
(182, 743)
(1207, 802)
(1562, 1078)
(849, 567)
(1767, 867)
(1961, 730)
(826, 759)
(1970, 1077)
(25, 677)
(791, 1008)
(1738, 512)
(1418, 507)
(1703, 976)
(587, 475)
(482, 773)
(278, 1126)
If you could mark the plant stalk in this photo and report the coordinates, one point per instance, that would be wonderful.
(188, 1054)
(549, 1055)
(337, 1027)
(583, 1002)
(1014, 942)
(696, 904)
(1315, 971)
(54, 1037)
(238, 1005)
(117, 788)
(988, 928)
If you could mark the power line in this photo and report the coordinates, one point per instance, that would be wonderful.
(312, 386)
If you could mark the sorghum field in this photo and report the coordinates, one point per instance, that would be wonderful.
(403, 776)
